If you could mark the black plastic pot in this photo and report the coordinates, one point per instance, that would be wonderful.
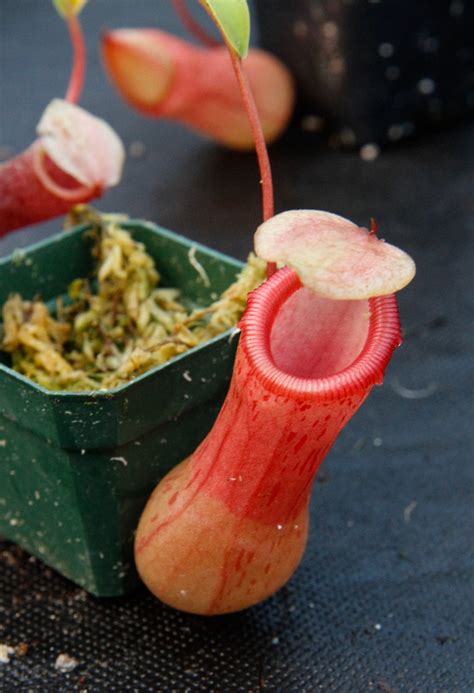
(375, 70)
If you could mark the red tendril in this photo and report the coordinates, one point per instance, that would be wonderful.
(76, 81)
(260, 145)
(258, 136)
(192, 25)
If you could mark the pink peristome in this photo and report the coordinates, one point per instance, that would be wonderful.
(163, 76)
(332, 256)
(228, 527)
(76, 157)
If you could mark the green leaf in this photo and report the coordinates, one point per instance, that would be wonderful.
(68, 8)
(233, 19)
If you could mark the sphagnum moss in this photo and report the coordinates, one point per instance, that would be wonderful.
(120, 325)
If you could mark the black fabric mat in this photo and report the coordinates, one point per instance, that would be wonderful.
(383, 600)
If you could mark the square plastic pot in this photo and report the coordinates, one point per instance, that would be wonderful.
(77, 468)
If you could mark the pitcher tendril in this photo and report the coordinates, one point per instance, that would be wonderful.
(255, 124)
(69, 11)
(76, 80)
(194, 28)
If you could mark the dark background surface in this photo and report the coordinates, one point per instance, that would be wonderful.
(384, 597)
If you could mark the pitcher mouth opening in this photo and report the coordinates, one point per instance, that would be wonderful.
(303, 346)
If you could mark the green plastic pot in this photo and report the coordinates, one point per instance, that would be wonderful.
(77, 469)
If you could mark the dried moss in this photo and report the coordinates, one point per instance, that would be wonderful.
(118, 326)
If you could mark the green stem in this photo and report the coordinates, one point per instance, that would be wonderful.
(76, 80)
